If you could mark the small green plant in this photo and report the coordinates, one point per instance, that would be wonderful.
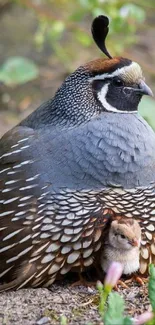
(151, 291)
(112, 305)
(63, 320)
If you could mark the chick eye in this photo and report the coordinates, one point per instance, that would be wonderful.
(122, 236)
(117, 82)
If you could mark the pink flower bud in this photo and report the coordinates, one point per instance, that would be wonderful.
(113, 275)
(143, 318)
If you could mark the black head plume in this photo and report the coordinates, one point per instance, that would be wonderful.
(99, 31)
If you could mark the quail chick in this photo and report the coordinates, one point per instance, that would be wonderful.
(122, 245)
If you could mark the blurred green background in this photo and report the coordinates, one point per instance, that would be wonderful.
(41, 42)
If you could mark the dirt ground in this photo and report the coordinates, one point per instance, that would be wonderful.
(79, 304)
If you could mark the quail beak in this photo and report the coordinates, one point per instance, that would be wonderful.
(144, 89)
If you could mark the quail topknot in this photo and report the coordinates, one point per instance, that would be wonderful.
(122, 244)
(80, 159)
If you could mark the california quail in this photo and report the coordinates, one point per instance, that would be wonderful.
(81, 158)
(122, 245)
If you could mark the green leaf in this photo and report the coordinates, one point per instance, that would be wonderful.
(151, 286)
(18, 70)
(63, 320)
(151, 290)
(147, 110)
(114, 313)
(127, 321)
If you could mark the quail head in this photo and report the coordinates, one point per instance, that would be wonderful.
(122, 244)
(81, 158)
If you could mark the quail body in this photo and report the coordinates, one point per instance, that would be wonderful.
(79, 160)
(122, 245)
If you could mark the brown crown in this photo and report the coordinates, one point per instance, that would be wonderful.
(100, 66)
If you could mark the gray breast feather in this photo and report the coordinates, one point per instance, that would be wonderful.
(110, 149)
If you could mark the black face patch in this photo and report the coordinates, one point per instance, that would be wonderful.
(123, 97)
(119, 95)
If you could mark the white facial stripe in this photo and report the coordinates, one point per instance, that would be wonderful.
(132, 71)
(102, 98)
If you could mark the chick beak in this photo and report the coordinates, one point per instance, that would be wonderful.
(134, 242)
(144, 89)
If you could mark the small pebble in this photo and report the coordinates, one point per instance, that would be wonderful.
(58, 300)
(131, 296)
(43, 320)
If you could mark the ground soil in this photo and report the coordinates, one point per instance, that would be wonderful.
(79, 304)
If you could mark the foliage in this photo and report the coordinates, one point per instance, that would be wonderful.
(125, 18)
(112, 305)
(63, 320)
(151, 286)
(147, 110)
(112, 310)
(57, 17)
(115, 311)
(151, 290)
(17, 70)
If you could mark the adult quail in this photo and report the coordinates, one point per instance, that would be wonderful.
(81, 158)
(122, 245)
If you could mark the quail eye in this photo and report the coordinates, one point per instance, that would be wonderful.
(122, 236)
(97, 85)
(117, 82)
